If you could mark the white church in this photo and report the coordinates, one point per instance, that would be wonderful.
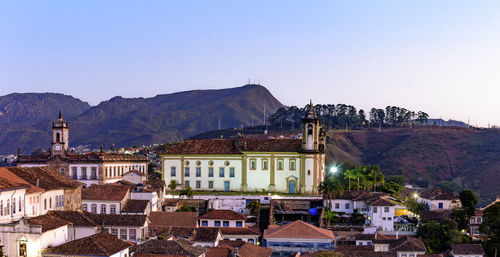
(250, 164)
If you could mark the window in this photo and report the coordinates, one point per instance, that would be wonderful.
(225, 223)
(123, 234)
(310, 129)
(50, 203)
(20, 204)
(253, 164)
(74, 171)
(198, 184)
(239, 224)
(204, 223)
(62, 171)
(198, 172)
(7, 210)
(186, 172)
(389, 218)
(1, 208)
(337, 206)
(292, 164)
(103, 208)
(93, 173)
(112, 209)
(231, 172)
(280, 164)
(383, 218)
(186, 183)
(13, 206)
(84, 207)
(114, 231)
(386, 209)
(172, 171)
(84, 173)
(479, 220)
(217, 223)
(45, 204)
(93, 208)
(211, 172)
(440, 205)
(375, 209)
(250, 240)
(347, 206)
(264, 164)
(221, 172)
(210, 184)
(309, 172)
(132, 235)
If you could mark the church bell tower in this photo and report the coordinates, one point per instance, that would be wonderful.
(60, 136)
(310, 130)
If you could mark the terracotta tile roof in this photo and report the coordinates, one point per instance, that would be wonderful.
(207, 235)
(167, 248)
(438, 193)
(106, 192)
(218, 252)
(222, 215)
(47, 222)
(135, 206)
(380, 202)
(360, 195)
(49, 178)
(92, 157)
(251, 250)
(435, 215)
(9, 181)
(407, 244)
(181, 232)
(135, 172)
(231, 244)
(118, 219)
(467, 249)
(173, 219)
(233, 146)
(101, 244)
(77, 218)
(238, 231)
(298, 229)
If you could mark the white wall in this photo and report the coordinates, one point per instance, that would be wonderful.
(10, 197)
(152, 197)
(211, 223)
(140, 232)
(341, 205)
(381, 219)
(50, 196)
(105, 203)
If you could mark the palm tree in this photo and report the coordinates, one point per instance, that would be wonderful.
(329, 216)
(330, 188)
(188, 192)
(173, 184)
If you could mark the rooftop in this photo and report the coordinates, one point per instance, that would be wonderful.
(205, 235)
(101, 244)
(48, 178)
(467, 249)
(438, 193)
(135, 206)
(47, 222)
(173, 219)
(9, 181)
(299, 229)
(106, 192)
(167, 248)
(222, 215)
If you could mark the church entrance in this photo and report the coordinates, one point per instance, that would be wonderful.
(226, 186)
(291, 187)
(22, 246)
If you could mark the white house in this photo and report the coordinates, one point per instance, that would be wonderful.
(105, 199)
(250, 164)
(27, 237)
(232, 225)
(439, 199)
(134, 228)
(101, 244)
(380, 214)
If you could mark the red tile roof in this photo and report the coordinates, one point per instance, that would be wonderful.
(218, 252)
(251, 250)
(435, 215)
(438, 194)
(9, 181)
(92, 157)
(135, 206)
(48, 178)
(299, 229)
(222, 215)
(238, 231)
(106, 192)
(47, 222)
(77, 218)
(173, 219)
(101, 244)
(169, 248)
(469, 249)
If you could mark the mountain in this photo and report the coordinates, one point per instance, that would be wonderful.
(137, 121)
(32, 108)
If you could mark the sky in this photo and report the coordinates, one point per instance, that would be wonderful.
(441, 57)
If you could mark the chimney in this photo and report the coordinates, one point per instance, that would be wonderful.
(37, 182)
(375, 235)
(397, 234)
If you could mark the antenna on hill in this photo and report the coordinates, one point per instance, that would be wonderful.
(218, 124)
(249, 81)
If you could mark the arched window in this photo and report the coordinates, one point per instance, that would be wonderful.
(112, 209)
(58, 137)
(20, 205)
(103, 209)
(1, 208)
(22, 243)
(13, 206)
(93, 208)
(7, 210)
(84, 207)
(310, 129)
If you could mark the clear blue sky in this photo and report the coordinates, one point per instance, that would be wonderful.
(442, 57)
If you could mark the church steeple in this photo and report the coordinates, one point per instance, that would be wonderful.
(310, 130)
(60, 136)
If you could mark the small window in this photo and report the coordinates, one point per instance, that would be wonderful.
(123, 234)
(93, 208)
(204, 223)
(264, 164)
(114, 231)
(186, 183)
(375, 209)
(292, 164)
(62, 171)
(231, 172)
(103, 209)
(210, 184)
(221, 172)
(198, 184)
(217, 223)
(308, 172)
(84, 207)
(211, 172)
(253, 165)
(280, 164)
(239, 224)
(440, 205)
(93, 173)
(383, 218)
(132, 235)
(337, 206)
(225, 223)
(186, 172)
(226, 163)
(347, 206)
(310, 129)
(112, 209)
(386, 209)
(172, 171)
(84, 173)
(198, 172)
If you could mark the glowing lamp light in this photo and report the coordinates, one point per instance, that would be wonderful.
(415, 195)
(333, 169)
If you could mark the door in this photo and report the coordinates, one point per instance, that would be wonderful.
(291, 187)
(226, 186)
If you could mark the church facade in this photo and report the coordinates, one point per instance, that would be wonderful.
(90, 168)
(250, 164)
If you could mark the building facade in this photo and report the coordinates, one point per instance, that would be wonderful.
(250, 164)
(90, 168)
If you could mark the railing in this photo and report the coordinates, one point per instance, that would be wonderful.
(405, 227)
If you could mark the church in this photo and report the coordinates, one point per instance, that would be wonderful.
(90, 168)
(251, 164)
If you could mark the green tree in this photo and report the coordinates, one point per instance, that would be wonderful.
(491, 228)
(398, 179)
(434, 237)
(469, 200)
(329, 216)
(460, 217)
(185, 192)
(254, 207)
(393, 189)
(173, 185)
(330, 188)
(415, 206)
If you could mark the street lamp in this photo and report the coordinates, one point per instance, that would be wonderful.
(333, 169)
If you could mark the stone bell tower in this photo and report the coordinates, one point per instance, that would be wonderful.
(60, 136)
(310, 130)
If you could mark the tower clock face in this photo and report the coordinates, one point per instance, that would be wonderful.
(58, 147)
